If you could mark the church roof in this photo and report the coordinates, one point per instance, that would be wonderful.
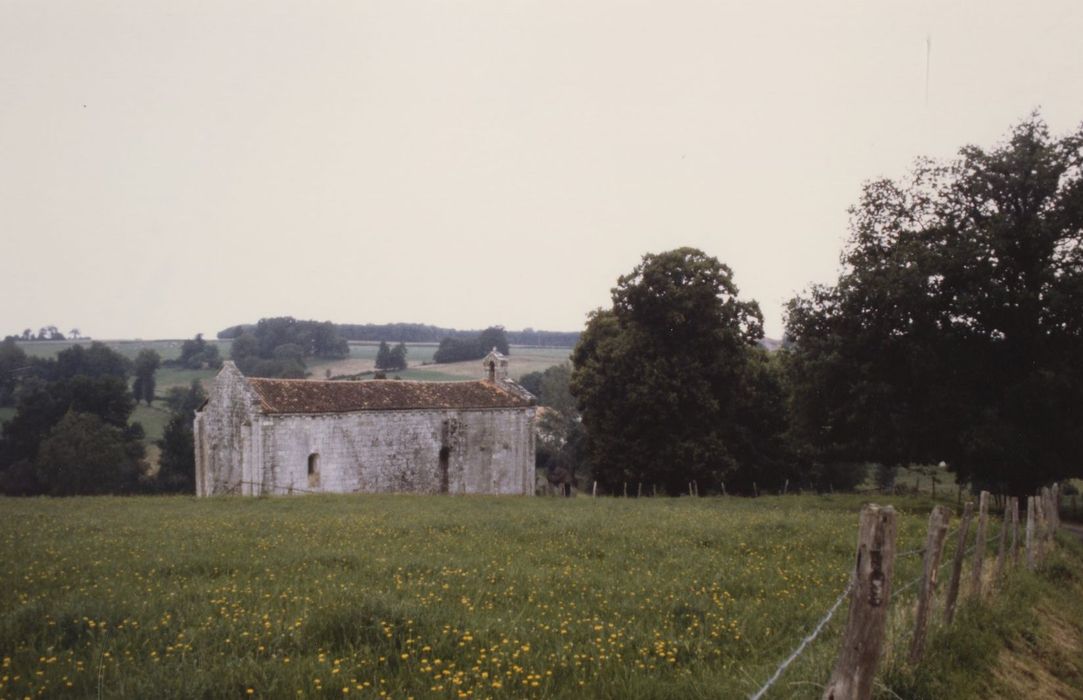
(311, 396)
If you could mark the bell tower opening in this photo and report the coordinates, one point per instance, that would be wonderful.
(495, 365)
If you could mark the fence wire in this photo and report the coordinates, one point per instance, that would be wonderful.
(804, 643)
(842, 596)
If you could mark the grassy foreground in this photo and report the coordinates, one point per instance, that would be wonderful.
(416, 596)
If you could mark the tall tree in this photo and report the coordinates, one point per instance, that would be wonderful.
(84, 455)
(13, 364)
(145, 365)
(177, 466)
(383, 356)
(397, 357)
(659, 376)
(493, 337)
(955, 329)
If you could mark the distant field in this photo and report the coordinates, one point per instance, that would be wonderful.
(362, 359)
(168, 349)
(522, 360)
(422, 596)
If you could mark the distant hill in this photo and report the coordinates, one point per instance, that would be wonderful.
(423, 333)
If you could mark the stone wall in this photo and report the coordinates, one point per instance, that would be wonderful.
(488, 451)
(223, 436)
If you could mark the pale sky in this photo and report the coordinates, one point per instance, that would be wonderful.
(168, 168)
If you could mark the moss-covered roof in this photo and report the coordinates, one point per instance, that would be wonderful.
(310, 396)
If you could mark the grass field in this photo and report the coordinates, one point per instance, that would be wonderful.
(522, 360)
(418, 596)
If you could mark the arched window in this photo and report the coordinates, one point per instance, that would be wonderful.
(314, 470)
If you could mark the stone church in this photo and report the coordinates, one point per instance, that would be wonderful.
(289, 436)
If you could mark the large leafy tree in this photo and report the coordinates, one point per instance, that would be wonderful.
(660, 377)
(82, 454)
(177, 470)
(145, 365)
(955, 329)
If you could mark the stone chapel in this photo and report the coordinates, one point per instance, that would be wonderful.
(294, 436)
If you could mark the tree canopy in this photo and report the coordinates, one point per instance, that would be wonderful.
(278, 347)
(86, 389)
(955, 329)
(145, 365)
(454, 349)
(660, 377)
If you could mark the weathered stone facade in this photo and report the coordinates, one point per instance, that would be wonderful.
(280, 436)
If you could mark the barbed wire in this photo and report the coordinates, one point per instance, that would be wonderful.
(811, 637)
(275, 489)
(804, 643)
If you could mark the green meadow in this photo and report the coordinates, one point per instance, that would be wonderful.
(422, 596)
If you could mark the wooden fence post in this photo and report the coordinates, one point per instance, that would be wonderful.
(639, 491)
(1015, 530)
(785, 487)
(957, 564)
(654, 490)
(594, 494)
(755, 490)
(1039, 525)
(869, 599)
(977, 564)
(1055, 492)
(934, 547)
(626, 489)
(1002, 551)
(1031, 559)
(723, 488)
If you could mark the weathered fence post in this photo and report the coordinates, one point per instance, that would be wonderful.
(594, 494)
(1031, 515)
(626, 489)
(1002, 550)
(723, 488)
(957, 563)
(979, 545)
(639, 490)
(864, 635)
(1015, 530)
(654, 490)
(1055, 493)
(1039, 526)
(934, 546)
(695, 484)
(785, 487)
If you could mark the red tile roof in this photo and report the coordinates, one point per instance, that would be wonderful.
(310, 396)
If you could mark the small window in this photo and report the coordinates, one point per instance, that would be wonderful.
(313, 470)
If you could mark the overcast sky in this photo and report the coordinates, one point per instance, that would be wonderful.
(174, 167)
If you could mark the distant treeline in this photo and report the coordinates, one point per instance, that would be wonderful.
(422, 333)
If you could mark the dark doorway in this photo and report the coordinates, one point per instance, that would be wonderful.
(314, 470)
(445, 453)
